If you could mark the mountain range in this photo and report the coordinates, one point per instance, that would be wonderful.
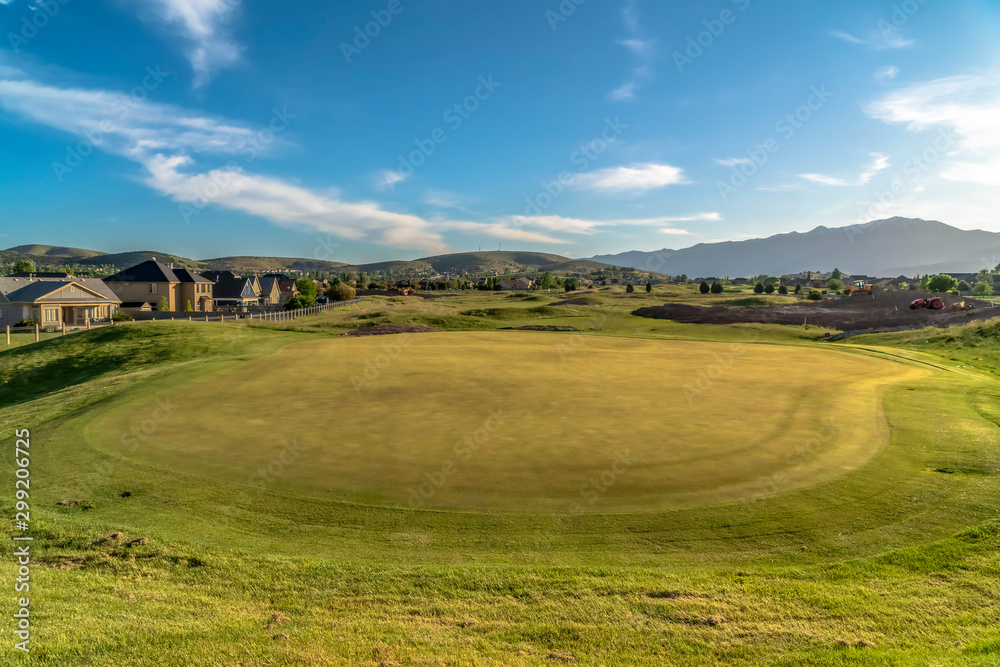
(886, 248)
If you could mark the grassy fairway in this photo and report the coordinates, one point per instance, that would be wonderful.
(522, 421)
(878, 546)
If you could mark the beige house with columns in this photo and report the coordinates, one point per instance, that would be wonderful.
(152, 281)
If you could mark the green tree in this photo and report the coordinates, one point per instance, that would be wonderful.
(307, 292)
(835, 285)
(629, 289)
(164, 304)
(798, 289)
(547, 281)
(572, 284)
(704, 288)
(942, 282)
(925, 282)
(340, 292)
(782, 290)
(758, 288)
(716, 288)
(769, 289)
(964, 286)
(983, 288)
(836, 275)
(815, 296)
(24, 266)
(649, 287)
(187, 307)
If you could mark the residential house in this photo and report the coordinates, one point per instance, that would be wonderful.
(154, 281)
(238, 293)
(53, 301)
(270, 291)
(516, 284)
(288, 290)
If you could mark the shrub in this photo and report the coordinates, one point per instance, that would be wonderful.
(942, 282)
(835, 285)
(704, 288)
(187, 307)
(716, 288)
(122, 316)
(982, 288)
(782, 290)
(798, 289)
(964, 286)
(27, 323)
(649, 287)
(815, 296)
(769, 289)
(629, 289)
(340, 292)
(758, 288)
(164, 304)
(572, 284)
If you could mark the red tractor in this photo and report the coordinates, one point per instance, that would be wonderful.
(931, 303)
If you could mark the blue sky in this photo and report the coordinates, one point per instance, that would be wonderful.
(226, 127)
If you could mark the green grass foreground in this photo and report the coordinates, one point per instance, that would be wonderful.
(893, 561)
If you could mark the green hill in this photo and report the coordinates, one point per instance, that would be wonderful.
(257, 264)
(123, 260)
(53, 252)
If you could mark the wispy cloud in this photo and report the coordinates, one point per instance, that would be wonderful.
(883, 75)
(879, 163)
(204, 26)
(888, 38)
(165, 140)
(634, 178)
(388, 179)
(640, 47)
(734, 161)
(965, 104)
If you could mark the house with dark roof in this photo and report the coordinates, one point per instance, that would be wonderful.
(270, 291)
(53, 301)
(237, 293)
(154, 281)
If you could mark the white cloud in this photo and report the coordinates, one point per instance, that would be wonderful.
(879, 163)
(884, 75)
(634, 178)
(203, 24)
(626, 92)
(967, 105)
(164, 139)
(888, 37)
(558, 223)
(640, 46)
(388, 179)
(734, 161)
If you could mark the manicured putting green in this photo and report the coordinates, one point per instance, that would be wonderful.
(520, 422)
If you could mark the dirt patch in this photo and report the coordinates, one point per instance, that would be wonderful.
(277, 618)
(578, 301)
(543, 327)
(390, 329)
(560, 657)
(713, 621)
(887, 310)
(83, 504)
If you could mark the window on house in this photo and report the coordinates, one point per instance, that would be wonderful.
(152, 288)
